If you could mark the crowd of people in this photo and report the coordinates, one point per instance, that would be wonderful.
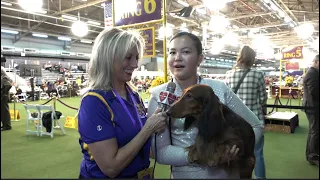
(117, 132)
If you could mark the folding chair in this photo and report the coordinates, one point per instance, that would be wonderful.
(45, 108)
(33, 108)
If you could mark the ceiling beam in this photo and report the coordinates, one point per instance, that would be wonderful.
(288, 10)
(251, 15)
(58, 13)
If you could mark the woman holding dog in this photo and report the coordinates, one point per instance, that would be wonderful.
(185, 56)
(252, 92)
(114, 130)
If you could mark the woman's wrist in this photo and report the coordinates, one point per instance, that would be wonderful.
(147, 130)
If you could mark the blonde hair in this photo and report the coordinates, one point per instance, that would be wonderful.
(246, 57)
(111, 45)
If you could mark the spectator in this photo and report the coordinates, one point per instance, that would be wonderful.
(6, 84)
(311, 99)
(252, 92)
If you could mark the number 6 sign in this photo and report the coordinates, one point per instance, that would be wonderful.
(145, 11)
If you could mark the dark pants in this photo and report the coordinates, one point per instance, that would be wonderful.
(312, 150)
(5, 112)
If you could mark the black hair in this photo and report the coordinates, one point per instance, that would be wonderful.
(316, 58)
(195, 39)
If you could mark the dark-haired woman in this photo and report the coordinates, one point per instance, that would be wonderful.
(185, 56)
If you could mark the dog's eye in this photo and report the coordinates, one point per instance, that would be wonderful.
(188, 96)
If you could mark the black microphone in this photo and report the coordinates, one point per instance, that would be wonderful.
(167, 97)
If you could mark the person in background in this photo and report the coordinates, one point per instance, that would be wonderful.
(82, 78)
(311, 99)
(6, 84)
(113, 126)
(184, 58)
(252, 92)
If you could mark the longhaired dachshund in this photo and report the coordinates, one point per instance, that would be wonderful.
(219, 129)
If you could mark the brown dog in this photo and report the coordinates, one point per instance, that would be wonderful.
(219, 129)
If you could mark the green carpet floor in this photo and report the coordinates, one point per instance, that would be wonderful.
(42, 157)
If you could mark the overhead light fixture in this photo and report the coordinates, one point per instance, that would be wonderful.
(31, 5)
(305, 30)
(218, 23)
(9, 31)
(86, 41)
(6, 3)
(94, 23)
(69, 17)
(261, 41)
(79, 28)
(217, 46)
(183, 3)
(169, 31)
(63, 38)
(231, 39)
(40, 35)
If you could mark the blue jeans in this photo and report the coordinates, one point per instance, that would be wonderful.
(259, 168)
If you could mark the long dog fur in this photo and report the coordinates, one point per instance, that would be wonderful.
(219, 129)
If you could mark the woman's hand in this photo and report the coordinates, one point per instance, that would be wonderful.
(156, 122)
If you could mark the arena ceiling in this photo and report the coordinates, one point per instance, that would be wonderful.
(247, 17)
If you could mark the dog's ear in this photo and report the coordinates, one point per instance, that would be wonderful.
(211, 122)
(188, 122)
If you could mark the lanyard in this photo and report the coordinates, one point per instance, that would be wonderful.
(126, 108)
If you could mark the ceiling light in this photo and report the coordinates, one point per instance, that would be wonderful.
(218, 23)
(40, 35)
(260, 41)
(31, 5)
(305, 30)
(86, 41)
(169, 32)
(63, 38)
(69, 17)
(9, 31)
(94, 23)
(231, 39)
(217, 46)
(183, 3)
(79, 28)
(6, 3)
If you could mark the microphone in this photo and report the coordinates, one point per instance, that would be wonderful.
(167, 97)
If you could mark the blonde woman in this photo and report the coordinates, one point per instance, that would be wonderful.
(114, 129)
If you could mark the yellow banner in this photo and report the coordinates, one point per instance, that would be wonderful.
(71, 122)
(14, 116)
